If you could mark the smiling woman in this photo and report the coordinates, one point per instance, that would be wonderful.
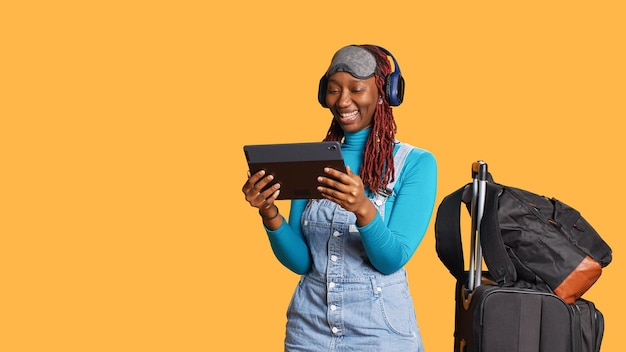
(361, 63)
(352, 101)
(351, 246)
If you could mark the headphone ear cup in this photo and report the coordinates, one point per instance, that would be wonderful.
(394, 88)
(321, 91)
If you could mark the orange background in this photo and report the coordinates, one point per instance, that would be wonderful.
(123, 226)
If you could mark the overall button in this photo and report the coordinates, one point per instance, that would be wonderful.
(333, 307)
(335, 330)
(332, 285)
(379, 202)
(334, 258)
(336, 233)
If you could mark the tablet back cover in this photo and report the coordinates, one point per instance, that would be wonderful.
(295, 166)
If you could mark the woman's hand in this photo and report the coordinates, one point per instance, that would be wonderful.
(347, 190)
(263, 199)
(253, 187)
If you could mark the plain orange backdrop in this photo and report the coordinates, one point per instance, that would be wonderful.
(122, 222)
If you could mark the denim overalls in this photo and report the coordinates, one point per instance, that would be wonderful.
(343, 303)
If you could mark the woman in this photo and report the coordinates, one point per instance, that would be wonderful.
(351, 246)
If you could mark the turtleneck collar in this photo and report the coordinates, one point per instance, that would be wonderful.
(356, 140)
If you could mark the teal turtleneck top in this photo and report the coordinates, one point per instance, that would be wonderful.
(389, 243)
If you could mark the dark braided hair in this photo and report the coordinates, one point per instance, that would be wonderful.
(377, 169)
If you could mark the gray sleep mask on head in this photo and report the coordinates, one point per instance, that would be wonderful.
(357, 61)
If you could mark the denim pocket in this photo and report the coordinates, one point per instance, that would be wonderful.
(396, 306)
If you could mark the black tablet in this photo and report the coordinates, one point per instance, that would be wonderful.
(295, 166)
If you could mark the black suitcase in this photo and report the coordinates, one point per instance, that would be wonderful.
(508, 319)
(490, 318)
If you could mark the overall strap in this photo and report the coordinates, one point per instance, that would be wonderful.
(398, 162)
(399, 158)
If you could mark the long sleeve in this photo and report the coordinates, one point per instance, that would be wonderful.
(390, 244)
(288, 243)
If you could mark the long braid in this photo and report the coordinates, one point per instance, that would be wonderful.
(378, 169)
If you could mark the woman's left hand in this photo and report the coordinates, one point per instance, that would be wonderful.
(347, 190)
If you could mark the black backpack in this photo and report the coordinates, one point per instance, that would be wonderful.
(528, 240)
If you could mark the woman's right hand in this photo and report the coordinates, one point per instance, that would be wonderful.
(252, 189)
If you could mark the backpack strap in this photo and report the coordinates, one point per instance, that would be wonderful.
(448, 234)
(450, 247)
(497, 259)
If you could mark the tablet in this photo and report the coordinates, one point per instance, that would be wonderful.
(295, 166)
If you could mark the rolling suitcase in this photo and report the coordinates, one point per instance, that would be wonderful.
(491, 318)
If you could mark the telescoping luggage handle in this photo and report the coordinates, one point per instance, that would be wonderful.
(477, 207)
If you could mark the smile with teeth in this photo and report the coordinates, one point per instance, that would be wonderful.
(348, 116)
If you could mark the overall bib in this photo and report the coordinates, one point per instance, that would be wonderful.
(343, 303)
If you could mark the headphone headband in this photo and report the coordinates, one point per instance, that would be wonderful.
(394, 82)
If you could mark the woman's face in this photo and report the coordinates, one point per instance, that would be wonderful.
(352, 101)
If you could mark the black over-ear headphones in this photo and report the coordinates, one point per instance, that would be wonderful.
(394, 85)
